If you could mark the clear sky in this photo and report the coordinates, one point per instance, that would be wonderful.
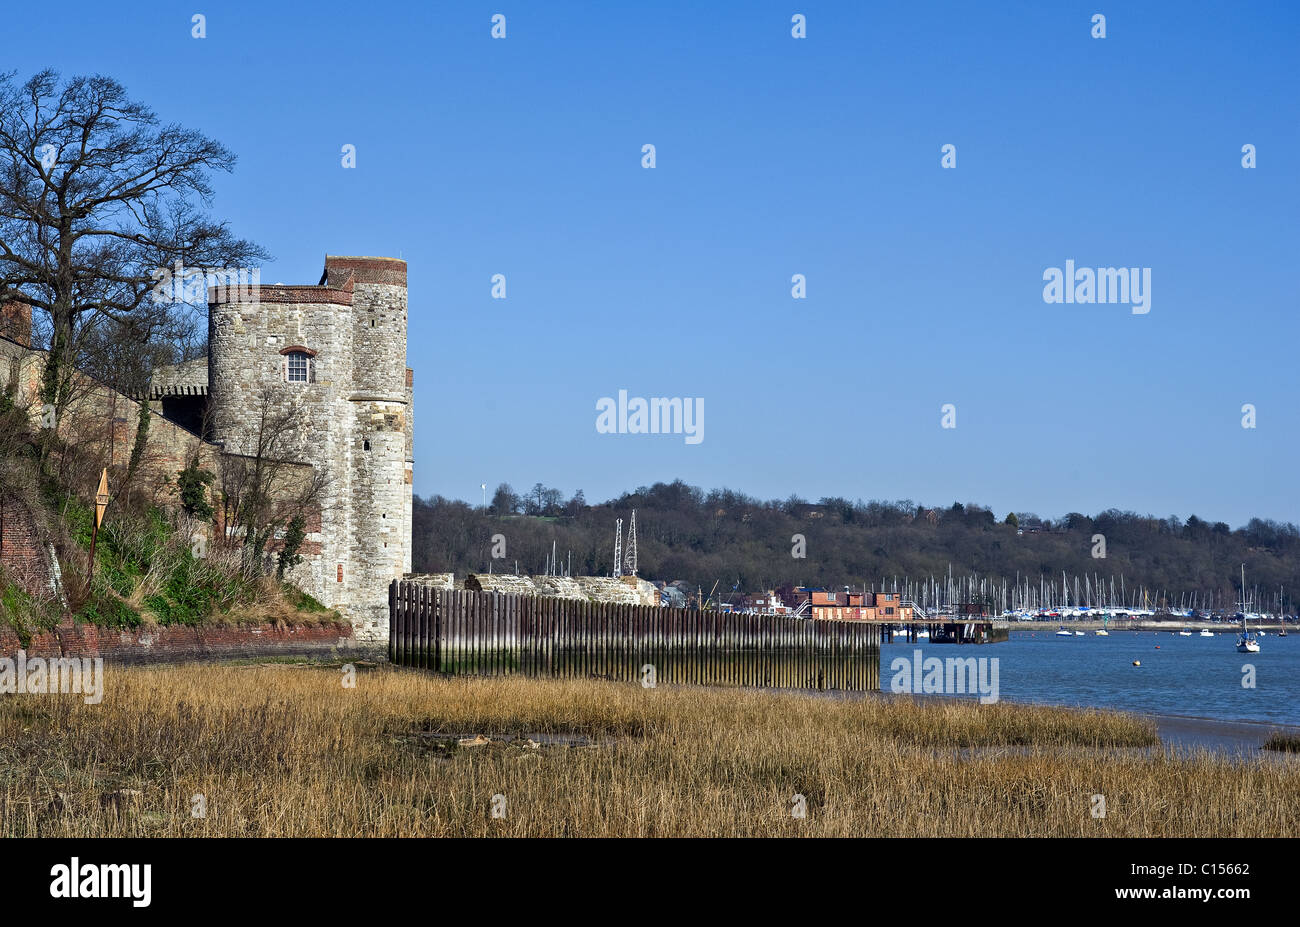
(778, 156)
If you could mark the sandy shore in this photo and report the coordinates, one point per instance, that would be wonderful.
(1187, 733)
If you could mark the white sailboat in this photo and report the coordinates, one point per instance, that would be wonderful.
(1246, 642)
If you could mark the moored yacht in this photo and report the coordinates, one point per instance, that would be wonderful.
(1246, 642)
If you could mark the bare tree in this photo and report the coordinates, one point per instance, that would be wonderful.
(96, 200)
(262, 491)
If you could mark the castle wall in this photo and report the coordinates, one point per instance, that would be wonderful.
(255, 411)
(351, 421)
(408, 474)
(102, 424)
(380, 543)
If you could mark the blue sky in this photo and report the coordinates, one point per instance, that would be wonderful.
(778, 156)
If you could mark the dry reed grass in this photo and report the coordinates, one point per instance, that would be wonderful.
(286, 750)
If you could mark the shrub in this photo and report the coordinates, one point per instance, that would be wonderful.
(193, 484)
(294, 535)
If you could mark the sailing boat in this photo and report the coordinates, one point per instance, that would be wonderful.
(1102, 632)
(1246, 643)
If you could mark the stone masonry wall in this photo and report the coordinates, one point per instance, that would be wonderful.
(101, 424)
(381, 425)
(408, 471)
(351, 420)
(247, 385)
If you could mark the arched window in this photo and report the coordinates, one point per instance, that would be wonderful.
(298, 364)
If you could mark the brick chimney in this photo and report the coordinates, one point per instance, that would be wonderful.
(16, 322)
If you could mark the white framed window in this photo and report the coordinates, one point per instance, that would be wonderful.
(297, 367)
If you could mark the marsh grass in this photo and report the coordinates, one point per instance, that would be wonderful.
(286, 750)
(1283, 743)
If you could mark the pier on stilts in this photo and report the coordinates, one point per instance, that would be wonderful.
(945, 632)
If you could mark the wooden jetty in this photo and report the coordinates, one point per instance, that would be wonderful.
(947, 632)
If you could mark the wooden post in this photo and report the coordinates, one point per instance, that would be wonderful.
(101, 503)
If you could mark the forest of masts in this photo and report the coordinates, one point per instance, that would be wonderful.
(1050, 594)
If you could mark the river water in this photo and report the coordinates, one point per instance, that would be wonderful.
(1190, 676)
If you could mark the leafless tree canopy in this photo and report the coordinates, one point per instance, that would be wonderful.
(263, 490)
(95, 197)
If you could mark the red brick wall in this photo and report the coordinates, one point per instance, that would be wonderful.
(364, 270)
(25, 559)
(176, 644)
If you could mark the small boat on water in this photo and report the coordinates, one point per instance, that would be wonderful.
(1064, 633)
(1078, 634)
(1206, 632)
(1246, 642)
(1101, 632)
(1185, 633)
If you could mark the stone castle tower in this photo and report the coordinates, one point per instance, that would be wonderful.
(328, 364)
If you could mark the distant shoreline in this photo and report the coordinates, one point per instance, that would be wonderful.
(1087, 624)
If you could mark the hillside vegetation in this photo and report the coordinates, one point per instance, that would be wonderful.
(155, 561)
(685, 533)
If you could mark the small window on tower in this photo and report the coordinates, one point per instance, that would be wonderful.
(365, 445)
(297, 366)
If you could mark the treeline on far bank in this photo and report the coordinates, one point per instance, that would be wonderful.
(738, 541)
